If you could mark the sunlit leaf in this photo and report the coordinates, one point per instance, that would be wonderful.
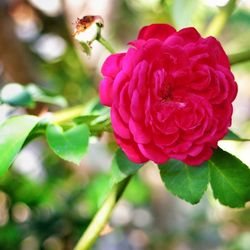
(97, 123)
(13, 133)
(122, 167)
(40, 95)
(188, 183)
(16, 94)
(230, 179)
(87, 119)
(70, 145)
(86, 48)
(231, 136)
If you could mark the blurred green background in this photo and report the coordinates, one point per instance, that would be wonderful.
(45, 203)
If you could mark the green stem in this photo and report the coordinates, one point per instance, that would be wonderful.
(105, 44)
(67, 114)
(166, 6)
(239, 57)
(219, 21)
(102, 216)
(104, 213)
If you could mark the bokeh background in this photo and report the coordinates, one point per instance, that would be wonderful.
(45, 203)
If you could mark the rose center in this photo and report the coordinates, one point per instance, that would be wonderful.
(166, 93)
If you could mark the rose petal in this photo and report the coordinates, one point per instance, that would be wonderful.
(141, 133)
(153, 153)
(131, 150)
(112, 64)
(189, 34)
(197, 160)
(105, 91)
(159, 31)
(119, 127)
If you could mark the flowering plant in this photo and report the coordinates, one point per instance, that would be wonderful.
(170, 95)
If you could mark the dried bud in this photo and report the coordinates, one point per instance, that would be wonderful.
(87, 30)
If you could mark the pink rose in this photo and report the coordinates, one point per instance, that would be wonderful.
(170, 95)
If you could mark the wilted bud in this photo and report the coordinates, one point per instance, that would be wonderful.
(87, 29)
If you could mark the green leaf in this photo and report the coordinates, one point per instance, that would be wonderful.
(87, 119)
(188, 183)
(96, 123)
(13, 133)
(41, 95)
(231, 136)
(15, 94)
(122, 167)
(86, 48)
(71, 144)
(18, 95)
(230, 179)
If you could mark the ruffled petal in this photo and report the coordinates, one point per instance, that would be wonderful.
(105, 91)
(141, 133)
(119, 126)
(158, 31)
(197, 160)
(153, 153)
(189, 34)
(112, 64)
(131, 150)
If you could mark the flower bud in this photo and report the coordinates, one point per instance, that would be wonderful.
(87, 29)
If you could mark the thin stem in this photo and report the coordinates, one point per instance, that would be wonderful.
(239, 57)
(166, 6)
(105, 44)
(219, 21)
(102, 216)
(104, 213)
(67, 114)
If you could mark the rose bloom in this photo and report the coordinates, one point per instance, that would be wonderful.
(170, 95)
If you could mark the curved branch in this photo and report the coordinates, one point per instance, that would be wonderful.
(240, 57)
(219, 21)
(102, 216)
